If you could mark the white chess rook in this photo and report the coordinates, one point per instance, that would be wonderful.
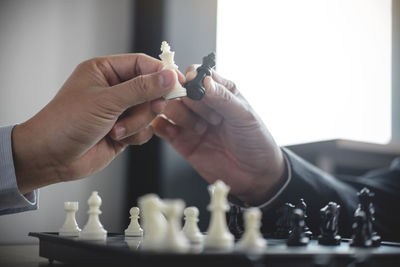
(252, 240)
(191, 229)
(70, 227)
(93, 229)
(167, 57)
(153, 222)
(134, 228)
(218, 235)
(175, 240)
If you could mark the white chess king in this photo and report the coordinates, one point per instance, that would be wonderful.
(167, 57)
(93, 229)
(218, 235)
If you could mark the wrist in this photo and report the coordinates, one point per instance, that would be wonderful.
(33, 165)
(269, 183)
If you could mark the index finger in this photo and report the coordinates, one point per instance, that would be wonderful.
(128, 66)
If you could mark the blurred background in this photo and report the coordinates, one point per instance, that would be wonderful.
(323, 75)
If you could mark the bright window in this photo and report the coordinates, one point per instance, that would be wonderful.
(312, 69)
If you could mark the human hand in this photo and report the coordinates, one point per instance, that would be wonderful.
(223, 138)
(106, 104)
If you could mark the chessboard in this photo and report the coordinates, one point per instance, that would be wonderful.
(119, 250)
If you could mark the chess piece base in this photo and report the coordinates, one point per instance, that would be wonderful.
(329, 240)
(298, 243)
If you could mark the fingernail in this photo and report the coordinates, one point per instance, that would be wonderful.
(165, 78)
(120, 132)
(215, 119)
(200, 127)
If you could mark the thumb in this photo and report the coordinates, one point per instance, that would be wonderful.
(143, 88)
(223, 101)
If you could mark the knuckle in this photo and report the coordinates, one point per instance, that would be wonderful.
(139, 88)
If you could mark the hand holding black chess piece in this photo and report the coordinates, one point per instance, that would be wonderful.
(195, 88)
(363, 232)
(329, 225)
(297, 236)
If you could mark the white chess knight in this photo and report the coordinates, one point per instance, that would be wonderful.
(70, 227)
(167, 57)
(252, 240)
(134, 228)
(153, 222)
(218, 235)
(93, 229)
(190, 228)
(175, 240)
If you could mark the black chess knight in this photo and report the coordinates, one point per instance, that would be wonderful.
(329, 225)
(297, 236)
(367, 208)
(303, 206)
(284, 222)
(195, 88)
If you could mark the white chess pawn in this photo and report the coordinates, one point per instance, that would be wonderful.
(153, 222)
(134, 228)
(93, 229)
(175, 240)
(190, 229)
(252, 240)
(70, 227)
(167, 57)
(218, 235)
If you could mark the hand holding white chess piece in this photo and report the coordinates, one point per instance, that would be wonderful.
(70, 227)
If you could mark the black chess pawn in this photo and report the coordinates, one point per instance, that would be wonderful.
(235, 227)
(195, 88)
(303, 206)
(329, 225)
(297, 236)
(284, 223)
(365, 198)
(360, 236)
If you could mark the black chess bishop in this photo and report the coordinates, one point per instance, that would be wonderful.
(329, 225)
(297, 236)
(364, 216)
(284, 222)
(303, 206)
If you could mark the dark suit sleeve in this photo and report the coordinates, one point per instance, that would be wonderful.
(318, 188)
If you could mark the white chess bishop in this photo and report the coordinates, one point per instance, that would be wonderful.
(252, 240)
(167, 57)
(218, 235)
(134, 228)
(70, 227)
(93, 229)
(190, 228)
(153, 222)
(175, 240)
